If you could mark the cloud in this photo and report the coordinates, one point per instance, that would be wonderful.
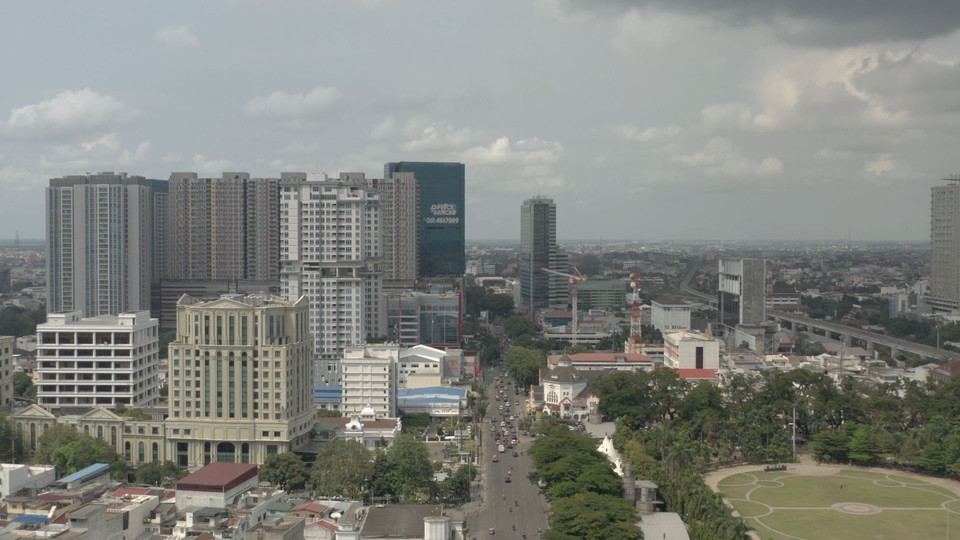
(68, 113)
(299, 147)
(632, 133)
(101, 153)
(882, 164)
(177, 37)
(650, 29)
(501, 151)
(385, 128)
(815, 23)
(280, 105)
(722, 158)
(439, 136)
(210, 166)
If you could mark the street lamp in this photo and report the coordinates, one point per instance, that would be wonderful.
(794, 426)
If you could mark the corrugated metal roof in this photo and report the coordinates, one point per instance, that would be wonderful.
(663, 525)
(90, 472)
(31, 518)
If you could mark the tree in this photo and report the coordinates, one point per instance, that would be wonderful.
(53, 438)
(650, 333)
(517, 326)
(83, 452)
(591, 516)
(343, 469)
(328, 413)
(829, 445)
(404, 470)
(159, 474)
(523, 364)
(285, 470)
(23, 386)
(16, 321)
(863, 446)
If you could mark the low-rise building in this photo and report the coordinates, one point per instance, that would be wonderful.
(670, 313)
(693, 356)
(364, 428)
(369, 379)
(216, 485)
(14, 477)
(436, 401)
(103, 361)
(604, 361)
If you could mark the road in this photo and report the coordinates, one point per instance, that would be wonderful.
(517, 504)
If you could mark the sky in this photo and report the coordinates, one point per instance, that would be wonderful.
(643, 119)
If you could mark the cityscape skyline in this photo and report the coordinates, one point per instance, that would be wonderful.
(795, 115)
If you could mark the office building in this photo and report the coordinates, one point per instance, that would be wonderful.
(369, 380)
(419, 318)
(330, 253)
(944, 293)
(442, 214)
(693, 356)
(603, 293)
(240, 379)
(223, 228)
(538, 249)
(670, 314)
(6, 280)
(99, 239)
(106, 361)
(6, 371)
(400, 223)
(742, 292)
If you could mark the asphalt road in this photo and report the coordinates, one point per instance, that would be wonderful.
(517, 504)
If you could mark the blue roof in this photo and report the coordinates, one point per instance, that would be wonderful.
(90, 472)
(433, 391)
(327, 392)
(31, 518)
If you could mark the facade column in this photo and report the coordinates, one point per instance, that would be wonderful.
(870, 348)
(894, 351)
(845, 338)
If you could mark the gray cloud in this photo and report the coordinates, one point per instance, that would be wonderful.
(810, 22)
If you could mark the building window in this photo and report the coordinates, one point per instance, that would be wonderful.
(126, 450)
(140, 453)
(206, 453)
(699, 357)
(156, 452)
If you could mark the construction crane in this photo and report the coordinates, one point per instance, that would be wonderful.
(634, 343)
(575, 278)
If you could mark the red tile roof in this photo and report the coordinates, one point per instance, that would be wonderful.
(218, 477)
(600, 357)
(313, 507)
(124, 491)
(697, 373)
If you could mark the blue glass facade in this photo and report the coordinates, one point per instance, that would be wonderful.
(442, 226)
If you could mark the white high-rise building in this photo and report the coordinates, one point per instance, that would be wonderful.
(742, 292)
(944, 294)
(538, 249)
(100, 361)
(99, 244)
(369, 380)
(330, 252)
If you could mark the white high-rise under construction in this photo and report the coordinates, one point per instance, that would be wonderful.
(330, 252)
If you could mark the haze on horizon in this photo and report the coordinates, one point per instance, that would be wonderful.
(643, 119)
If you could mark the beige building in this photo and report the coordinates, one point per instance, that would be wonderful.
(240, 379)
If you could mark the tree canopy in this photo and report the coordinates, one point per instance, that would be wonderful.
(343, 469)
(285, 470)
(523, 365)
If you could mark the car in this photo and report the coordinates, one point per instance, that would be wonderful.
(513, 441)
(525, 433)
(510, 446)
(492, 531)
(496, 459)
(507, 481)
(515, 454)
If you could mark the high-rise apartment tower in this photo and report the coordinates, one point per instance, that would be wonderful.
(223, 228)
(99, 240)
(330, 253)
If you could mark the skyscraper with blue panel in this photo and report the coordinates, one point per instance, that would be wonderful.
(442, 226)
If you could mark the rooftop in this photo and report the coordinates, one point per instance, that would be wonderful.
(664, 525)
(600, 357)
(341, 423)
(397, 520)
(220, 476)
(670, 300)
(90, 472)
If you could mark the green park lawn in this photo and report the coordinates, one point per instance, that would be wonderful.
(801, 507)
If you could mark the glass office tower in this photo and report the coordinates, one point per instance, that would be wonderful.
(442, 197)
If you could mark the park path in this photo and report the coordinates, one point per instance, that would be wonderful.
(808, 467)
